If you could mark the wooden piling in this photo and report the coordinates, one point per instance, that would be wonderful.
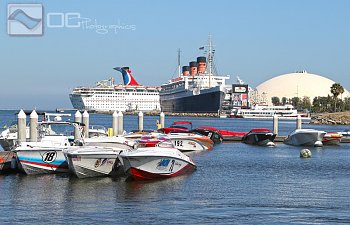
(275, 124)
(77, 118)
(21, 126)
(298, 122)
(120, 123)
(86, 122)
(33, 126)
(162, 119)
(115, 123)
(140, 116)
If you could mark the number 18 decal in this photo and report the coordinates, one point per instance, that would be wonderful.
(49, 157)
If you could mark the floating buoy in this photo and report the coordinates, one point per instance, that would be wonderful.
(270, 144)
(305, 153)
(318, 144)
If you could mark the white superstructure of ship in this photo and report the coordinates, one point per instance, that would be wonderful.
(108, 97)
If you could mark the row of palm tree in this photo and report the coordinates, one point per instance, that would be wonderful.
(319, 104)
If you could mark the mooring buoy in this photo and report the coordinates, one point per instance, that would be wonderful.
(305, 153)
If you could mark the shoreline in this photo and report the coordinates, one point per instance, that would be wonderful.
(337, 118)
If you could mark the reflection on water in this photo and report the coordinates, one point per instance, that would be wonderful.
(233, 183)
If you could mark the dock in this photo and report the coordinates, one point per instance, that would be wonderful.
(5, 161)
(238, 139)
(278, 139)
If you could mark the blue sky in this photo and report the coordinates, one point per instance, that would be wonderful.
(255, 40)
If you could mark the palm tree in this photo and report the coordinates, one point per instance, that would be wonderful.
(336, 90)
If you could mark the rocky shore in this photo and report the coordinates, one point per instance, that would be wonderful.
(338, 118)
(177, 114)
(157, 113)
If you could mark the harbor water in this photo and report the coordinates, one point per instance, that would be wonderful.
(234, 183)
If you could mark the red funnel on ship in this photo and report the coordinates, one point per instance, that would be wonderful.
(185, 70)
(193, 68)
(202, 64)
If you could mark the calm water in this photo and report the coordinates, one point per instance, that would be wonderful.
(233, 184)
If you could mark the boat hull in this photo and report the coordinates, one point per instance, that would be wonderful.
(214, 135)
(331, 138)
(95, 165)
(41, 161)
(208, 101)
(261, 139)
(305, 138)
(190, 142)
(7, 144)
(7, 161)
(149, 165)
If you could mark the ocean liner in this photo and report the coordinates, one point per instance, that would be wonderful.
(196, 89)
(108, 97)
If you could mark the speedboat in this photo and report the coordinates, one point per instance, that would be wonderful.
(211, 132)
(8, 137)
(45, 155)
(222, 134)
(185, 142)
(259, 136)
(307, 137)
(97, 131)
(190, 141)
(186, 127)
(345, 133)
(105, 141)
(177, 127)
(154, 140)
(155, 162)
(331, 138)
(94, 161)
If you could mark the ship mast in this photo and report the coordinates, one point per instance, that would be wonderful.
(210, 59)
(179, 62)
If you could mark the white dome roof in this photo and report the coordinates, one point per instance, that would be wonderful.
(298, 84)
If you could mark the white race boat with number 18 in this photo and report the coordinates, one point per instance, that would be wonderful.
(44, 155)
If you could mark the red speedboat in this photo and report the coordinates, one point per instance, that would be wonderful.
(331, 138)
(177, 127)
(226, 134)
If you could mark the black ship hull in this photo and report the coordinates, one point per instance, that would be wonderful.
(209, 102)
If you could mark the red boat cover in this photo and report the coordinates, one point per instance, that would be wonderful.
(182, 122)
(207, 128)
(224, 132)
(260, 130)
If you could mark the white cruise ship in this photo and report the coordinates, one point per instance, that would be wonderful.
(108, 97)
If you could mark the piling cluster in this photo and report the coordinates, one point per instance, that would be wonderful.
(117, 124)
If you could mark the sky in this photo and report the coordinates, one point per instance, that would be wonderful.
(255, 40)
